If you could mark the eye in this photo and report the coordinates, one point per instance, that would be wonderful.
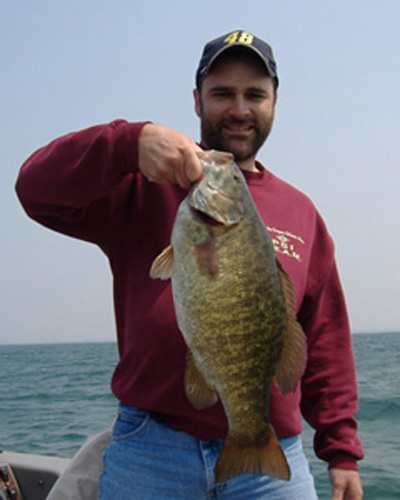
(256, 95)
(221, 93)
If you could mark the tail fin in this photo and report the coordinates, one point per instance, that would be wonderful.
(263, 457)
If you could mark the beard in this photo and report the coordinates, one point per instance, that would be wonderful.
(215, 136)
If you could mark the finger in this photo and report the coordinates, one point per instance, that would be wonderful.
(192, 166)
(199, 151)
(337, 491)
(180, 174)
(346, 484)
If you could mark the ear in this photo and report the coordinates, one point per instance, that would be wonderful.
(197, 107)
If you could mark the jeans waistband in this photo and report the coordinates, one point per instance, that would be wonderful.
(285, 442)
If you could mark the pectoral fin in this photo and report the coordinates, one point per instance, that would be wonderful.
(200, 394)
(163, 265)
(293, 358)
(207, 258)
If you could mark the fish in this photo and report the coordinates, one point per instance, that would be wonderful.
(235, 308)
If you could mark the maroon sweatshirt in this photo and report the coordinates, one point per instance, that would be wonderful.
(87, 185)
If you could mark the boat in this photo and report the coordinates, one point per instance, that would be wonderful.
(38, 477)
(28, 477)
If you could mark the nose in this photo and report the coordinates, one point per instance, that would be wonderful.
(239, 108)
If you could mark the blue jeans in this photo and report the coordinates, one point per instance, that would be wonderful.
(148, 459)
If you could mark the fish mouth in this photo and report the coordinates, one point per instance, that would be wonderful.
(215, 207)
(205, 218)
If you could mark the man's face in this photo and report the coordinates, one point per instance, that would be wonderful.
(236, 106)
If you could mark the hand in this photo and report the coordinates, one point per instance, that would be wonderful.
(168, 157)
(346, 484)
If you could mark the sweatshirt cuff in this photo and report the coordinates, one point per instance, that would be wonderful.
(343, 461)
(126, 145)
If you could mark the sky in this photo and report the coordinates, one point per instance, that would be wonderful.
(67, 65)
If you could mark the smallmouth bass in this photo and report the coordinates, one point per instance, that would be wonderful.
(235, 308)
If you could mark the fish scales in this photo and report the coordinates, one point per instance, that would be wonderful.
(228, 317)
(232, 312)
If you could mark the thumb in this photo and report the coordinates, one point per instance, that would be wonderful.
(193, 167)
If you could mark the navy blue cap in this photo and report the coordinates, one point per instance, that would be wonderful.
(238, 38)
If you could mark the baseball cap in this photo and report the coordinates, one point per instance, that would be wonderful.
(213, 49)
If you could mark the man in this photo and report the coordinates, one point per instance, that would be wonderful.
(119, 186)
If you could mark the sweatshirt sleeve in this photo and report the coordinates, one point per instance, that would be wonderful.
(329, 388)
(61, 184)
